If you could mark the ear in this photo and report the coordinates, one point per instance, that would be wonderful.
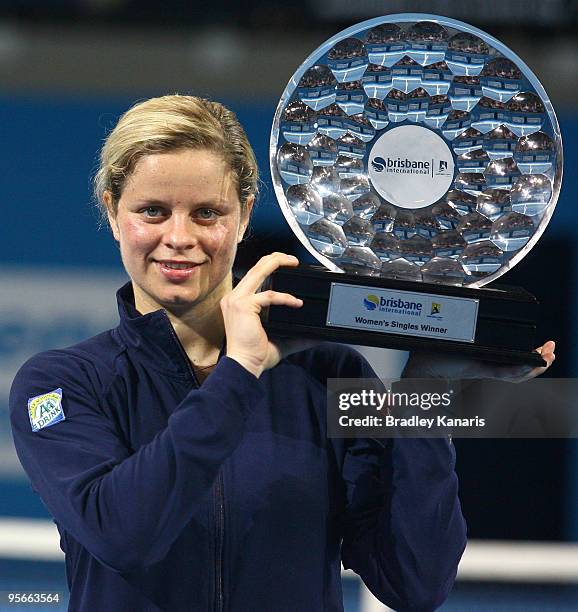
(110, 213)
(245, 217)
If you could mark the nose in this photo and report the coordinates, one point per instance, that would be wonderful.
(179, 233)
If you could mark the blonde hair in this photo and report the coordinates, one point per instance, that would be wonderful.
(170, 123)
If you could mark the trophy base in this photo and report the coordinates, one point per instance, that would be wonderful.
(495, 324)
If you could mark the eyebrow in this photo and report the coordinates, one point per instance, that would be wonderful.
(156, 202)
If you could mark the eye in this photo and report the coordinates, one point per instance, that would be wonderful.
(207, 214)
(151, 212)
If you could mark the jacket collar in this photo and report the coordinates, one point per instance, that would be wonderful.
(151, 337)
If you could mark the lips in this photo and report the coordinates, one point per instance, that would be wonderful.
(177, 271)
(178, 265)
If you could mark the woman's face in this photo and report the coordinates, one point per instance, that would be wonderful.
(178, 224)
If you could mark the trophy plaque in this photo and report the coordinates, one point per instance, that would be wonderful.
(417, 159)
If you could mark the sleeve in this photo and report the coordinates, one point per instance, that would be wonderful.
(126, 508)
(404, 532)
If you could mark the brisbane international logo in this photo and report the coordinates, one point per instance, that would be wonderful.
(371, 302)
(410, 166)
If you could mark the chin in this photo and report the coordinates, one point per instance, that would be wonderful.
(172, 297)
(179, 300)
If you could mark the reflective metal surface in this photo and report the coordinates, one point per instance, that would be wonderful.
(499, 152)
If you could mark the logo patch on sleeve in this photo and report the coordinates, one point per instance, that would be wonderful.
(45, 410)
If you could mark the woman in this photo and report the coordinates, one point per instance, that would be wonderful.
(183, 456)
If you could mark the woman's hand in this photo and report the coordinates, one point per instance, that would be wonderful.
(247, 341)
(438, 365)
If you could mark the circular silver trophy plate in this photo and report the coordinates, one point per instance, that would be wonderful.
(416, 147)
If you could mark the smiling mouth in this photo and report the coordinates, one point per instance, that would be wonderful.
(177, 271)
(179, 265)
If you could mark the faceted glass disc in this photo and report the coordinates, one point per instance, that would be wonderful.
(416, 147)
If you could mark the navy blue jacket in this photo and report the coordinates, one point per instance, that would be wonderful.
(227, 496)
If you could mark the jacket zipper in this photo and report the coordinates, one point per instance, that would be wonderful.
(182, 351)
(218, 493)
(220, 514)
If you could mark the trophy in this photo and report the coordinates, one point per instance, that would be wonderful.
(417, 159)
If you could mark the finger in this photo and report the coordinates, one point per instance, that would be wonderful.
(276, 298)
(256, 276)
(549, 358)
(547, 347)
(547, 352)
